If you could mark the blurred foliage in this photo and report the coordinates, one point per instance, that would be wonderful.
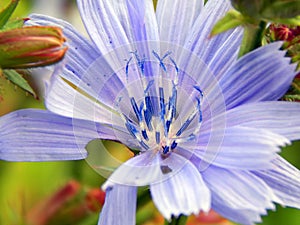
(23, 186)
(254, 17)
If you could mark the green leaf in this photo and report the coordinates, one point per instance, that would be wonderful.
(6, 13)
(282, 10)
(231, 20)
(18, 80)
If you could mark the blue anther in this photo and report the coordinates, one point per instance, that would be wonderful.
(145, 136)
(184, 126)
(161, 63)
(166, 149)
(191, 137)
(199, 109)
(144, 145)
(151, 82)
(199, 90)
(136, 109)
(162, 102)
(173, 145)
(148, 117)
(173, 101)
(127, 68)
(157, 137)
(176, 67)
(141, 62)
(131, 128)
(168, 124)
(149, 105)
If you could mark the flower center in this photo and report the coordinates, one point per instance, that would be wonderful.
(158, 119)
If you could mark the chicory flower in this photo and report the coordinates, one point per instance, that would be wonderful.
(208, 126)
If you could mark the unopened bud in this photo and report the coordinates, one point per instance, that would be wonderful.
(95, 199)
(31, 47)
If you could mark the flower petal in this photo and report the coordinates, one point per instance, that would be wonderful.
(278, 117)
(223, 148)
(103, 22)
(238, 191)
(183, 193)
(284, 180)
(38, 135)
(219, 51)
(63, 99)
(262, 75)
(120, 206)
(245, 217)
(176, 18)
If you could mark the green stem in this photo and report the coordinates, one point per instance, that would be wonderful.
(181, 220)
(143, 199)
(253, 35)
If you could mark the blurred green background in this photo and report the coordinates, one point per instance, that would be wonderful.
(25, 185)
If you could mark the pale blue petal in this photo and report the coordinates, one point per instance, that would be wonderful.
(200, 33)
(245, 217)
(239, 191)
(176, 18)
(102, 24)
(120, 206)
(261, 75)
(63, 99)
(239, 147)
(143, 22)
(183, 193)
(135, 171)
(279, 117)
(219, 51)
(284, 180)
(38, 135)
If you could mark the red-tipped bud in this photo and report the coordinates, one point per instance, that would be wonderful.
(31, 47)
(95, 199)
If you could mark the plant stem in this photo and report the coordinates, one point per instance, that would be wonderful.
(181, 220)
(253, 35)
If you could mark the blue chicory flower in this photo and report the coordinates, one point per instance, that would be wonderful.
(208, 125)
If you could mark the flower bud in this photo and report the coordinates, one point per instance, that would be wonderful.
(28, 47)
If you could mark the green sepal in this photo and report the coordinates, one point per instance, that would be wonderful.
(13, 24)
(18, 80)
(6, 13)
(231, 20)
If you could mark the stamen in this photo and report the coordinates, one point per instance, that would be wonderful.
(161, 63)
(145, 136)
(136, 109)
(166, 149)
(157, 137)
(145, 146)
(141, 62)
(185, 124)
(132, 129)
(173, 145)
(127, 68)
